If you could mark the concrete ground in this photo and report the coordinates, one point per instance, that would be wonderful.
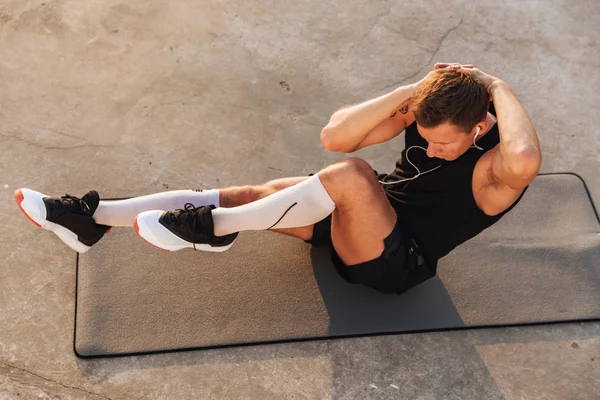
(135, 97)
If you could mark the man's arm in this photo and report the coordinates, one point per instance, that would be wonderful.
(520, 156)
(349, 127)
(502, 173)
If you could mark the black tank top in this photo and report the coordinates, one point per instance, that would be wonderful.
(437, 210)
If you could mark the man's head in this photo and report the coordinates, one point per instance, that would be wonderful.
(449, 106)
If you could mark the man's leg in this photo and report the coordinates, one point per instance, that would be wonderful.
(363, 216)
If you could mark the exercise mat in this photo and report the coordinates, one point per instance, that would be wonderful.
(540, 263)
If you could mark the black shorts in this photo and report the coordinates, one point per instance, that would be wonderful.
(399, 268)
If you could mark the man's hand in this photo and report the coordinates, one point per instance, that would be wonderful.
(488, 80)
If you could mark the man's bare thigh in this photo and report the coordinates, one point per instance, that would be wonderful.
(364, 218)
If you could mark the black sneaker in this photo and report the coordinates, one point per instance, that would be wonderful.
(175, 230)
(68, 216)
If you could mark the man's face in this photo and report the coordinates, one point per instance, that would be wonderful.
(446, 141)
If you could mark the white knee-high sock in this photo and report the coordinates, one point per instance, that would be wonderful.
(123, 212)
(303, 204)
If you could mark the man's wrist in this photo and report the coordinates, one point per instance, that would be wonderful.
(403, 93)
(412, 88)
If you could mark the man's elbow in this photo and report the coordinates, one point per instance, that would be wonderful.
(330, 140)
(524, 167)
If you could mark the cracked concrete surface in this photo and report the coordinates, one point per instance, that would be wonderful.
(138, 97)
(24, 382)
(428, 63)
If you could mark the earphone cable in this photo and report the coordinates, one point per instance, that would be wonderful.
(419, 173)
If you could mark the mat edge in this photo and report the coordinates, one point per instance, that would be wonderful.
(351, 336)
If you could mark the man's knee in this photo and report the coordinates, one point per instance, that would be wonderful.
(351, 171)
(361, 167)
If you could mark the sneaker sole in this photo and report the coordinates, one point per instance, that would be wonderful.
(147, 226)
(32, 205)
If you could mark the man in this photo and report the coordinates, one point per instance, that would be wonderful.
(471, 151)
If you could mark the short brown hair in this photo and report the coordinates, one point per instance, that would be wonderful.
(450, 95)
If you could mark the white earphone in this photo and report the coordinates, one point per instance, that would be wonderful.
(419, 173)
(474, 138)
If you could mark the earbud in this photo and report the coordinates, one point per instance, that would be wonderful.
(475, 137)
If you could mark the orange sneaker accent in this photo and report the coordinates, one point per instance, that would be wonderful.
(19, 198)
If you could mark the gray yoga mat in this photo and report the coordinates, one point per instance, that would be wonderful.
(540, 263)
